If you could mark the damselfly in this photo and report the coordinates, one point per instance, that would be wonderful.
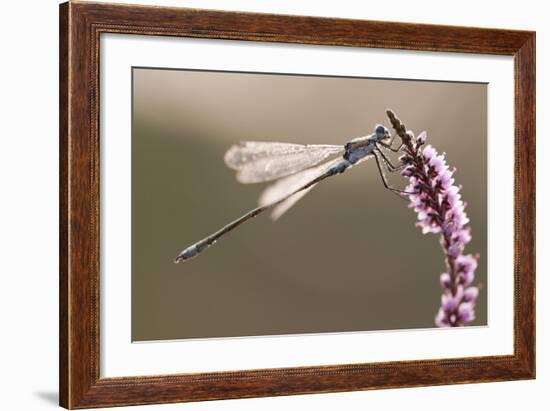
(297, 168)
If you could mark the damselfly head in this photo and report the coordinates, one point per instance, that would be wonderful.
(382, 133)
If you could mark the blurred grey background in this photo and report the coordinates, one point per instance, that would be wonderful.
(347, 257)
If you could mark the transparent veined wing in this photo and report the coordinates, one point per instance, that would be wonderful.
(256, 161)
(287, 185)
(286, 205)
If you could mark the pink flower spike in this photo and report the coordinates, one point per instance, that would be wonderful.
(440, 209)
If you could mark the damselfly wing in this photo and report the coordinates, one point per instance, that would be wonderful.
(257, 161)
(285, 186)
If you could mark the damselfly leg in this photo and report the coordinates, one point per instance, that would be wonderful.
(381, 163)
(391, 167)
(389, 145)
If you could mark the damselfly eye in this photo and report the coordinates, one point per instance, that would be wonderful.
(382, 132)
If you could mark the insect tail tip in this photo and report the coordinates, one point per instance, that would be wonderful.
(181, 257)
(186, 254)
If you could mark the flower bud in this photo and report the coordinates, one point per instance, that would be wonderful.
(466, 312)
(421, 138)
(470, 294)
(445, 280)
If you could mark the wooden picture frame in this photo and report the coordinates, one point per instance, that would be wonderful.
(80, 27)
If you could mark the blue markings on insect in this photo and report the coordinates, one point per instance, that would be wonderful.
(358, 153)
(355, 150)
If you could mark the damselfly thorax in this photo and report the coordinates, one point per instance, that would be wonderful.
(361, 147)
(295, 170)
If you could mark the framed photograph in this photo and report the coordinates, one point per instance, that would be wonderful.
(222, 234)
